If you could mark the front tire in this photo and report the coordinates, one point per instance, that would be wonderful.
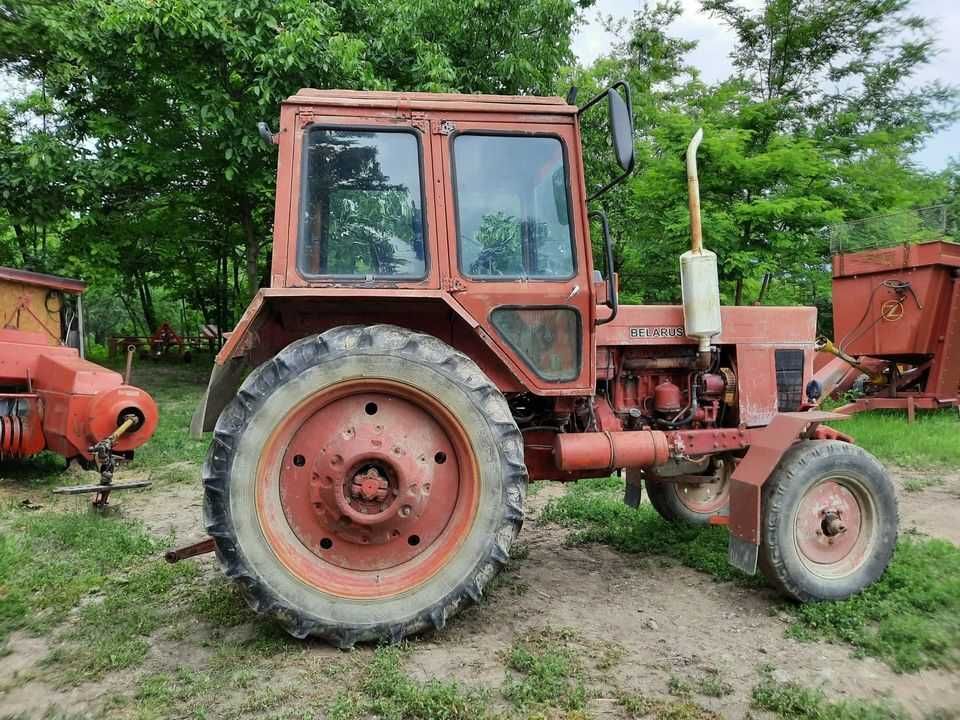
(829, 521)
(364, 484)
(691, 503)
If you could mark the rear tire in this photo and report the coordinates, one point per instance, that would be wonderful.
(829, 522)
(364, 484)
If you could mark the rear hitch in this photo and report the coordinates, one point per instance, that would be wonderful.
(201, 547)
(105, 461)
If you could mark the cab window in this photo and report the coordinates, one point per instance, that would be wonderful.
(362, 205)
(512, 207)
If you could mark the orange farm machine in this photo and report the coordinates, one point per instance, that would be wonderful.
(896, 317)
(51, 398)
(435, 335)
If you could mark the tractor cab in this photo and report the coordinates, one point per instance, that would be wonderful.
(472, 206)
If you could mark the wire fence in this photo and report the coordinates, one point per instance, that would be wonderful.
(901, 228)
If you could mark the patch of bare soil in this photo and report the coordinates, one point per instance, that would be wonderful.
(670, 622)
(658, 620)
(933, 510)
(25, 694)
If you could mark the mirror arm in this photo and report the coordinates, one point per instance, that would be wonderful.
(589, 104)
(612, 301)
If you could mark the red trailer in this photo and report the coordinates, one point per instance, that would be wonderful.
(896, 315)
(51, 397)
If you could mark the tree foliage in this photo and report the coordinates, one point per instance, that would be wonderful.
(150, 135)
(816, 125)
(132, 158)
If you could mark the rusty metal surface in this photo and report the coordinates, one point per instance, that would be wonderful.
(78, 403)
(346, 565)
(53, 282)
(607, 450)
(370, 480)
(766, 448)
(99, 487)
(828, 523)
(201, 547)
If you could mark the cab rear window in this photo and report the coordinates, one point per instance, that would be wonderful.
(362, 205)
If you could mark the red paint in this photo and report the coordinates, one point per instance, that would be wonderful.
(63, 403)
(908, 328)
(608, 450)
(639, 396)
(342, 543)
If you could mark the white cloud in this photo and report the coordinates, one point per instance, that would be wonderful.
(715, 43)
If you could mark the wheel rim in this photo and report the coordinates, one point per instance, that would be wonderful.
(835, 526)
(704, 498)
(367, 488)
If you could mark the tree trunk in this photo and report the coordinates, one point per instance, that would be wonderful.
(252, 246)
(146, 302)
(738, 297)
(764, 286)
(22, 244)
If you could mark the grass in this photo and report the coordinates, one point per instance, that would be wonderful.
(790, 701)
(594, 509)
(100, 578)
(50, 561)
(235, 681)
(638, 705)
(171, 453)
(910, 618)
(932, 441)
(385, 691)
(546, 672)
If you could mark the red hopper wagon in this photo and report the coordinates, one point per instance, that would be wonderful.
(896, 317)
(51, 398)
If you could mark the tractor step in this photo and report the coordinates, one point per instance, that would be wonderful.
(81, 489)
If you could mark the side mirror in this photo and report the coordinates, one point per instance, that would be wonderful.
(621, 129)
(620, 118)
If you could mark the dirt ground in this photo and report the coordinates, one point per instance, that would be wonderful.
(663, 621)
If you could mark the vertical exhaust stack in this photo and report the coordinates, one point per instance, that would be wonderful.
(699, 280)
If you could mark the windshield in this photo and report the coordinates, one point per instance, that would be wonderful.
(512, 207)
(362, 206)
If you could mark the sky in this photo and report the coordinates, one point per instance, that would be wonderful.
(712, 55)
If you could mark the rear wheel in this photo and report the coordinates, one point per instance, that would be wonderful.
(364, 484)
(829, 521)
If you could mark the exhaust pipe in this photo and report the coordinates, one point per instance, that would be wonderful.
(699, 279)
(693, 192)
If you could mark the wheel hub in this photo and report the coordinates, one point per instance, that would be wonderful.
(369, 491)
(828, 523)
(370, 481)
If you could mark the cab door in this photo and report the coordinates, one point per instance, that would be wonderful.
(517, 259)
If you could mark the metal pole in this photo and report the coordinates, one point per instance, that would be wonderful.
(83, 344)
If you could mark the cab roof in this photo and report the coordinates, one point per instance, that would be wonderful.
(433, 101)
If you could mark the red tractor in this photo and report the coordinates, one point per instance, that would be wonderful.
(435, 336)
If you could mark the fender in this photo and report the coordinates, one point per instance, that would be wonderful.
(257, 337)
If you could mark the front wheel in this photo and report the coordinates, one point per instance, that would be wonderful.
(693, 503)
(829, 521)
(364, 484)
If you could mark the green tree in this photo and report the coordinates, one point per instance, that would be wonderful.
(165, 95)
(782, 157)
